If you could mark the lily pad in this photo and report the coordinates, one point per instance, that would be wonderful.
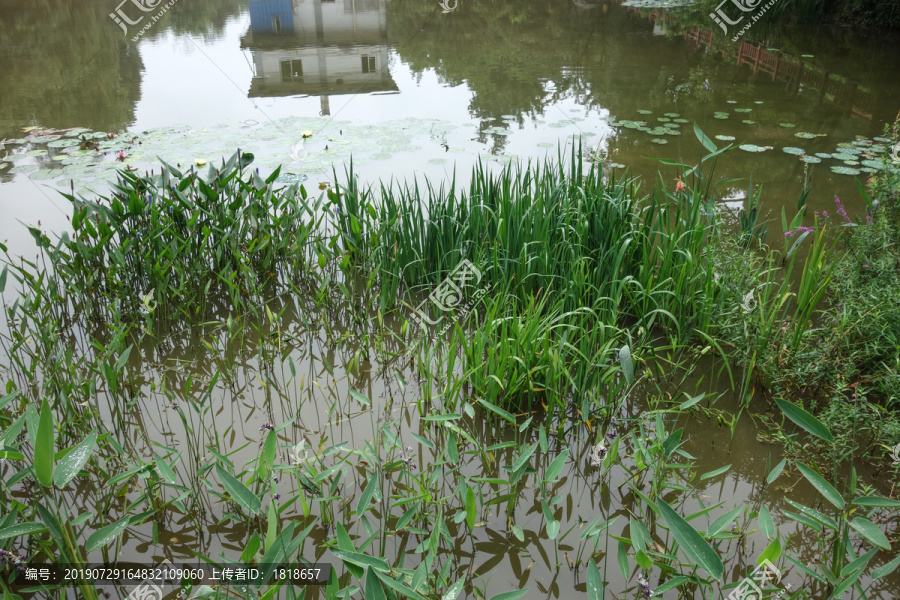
(807, 56)
(748, 122)
(672, 115)
(811, 159)
(680, 121)
(793, 150)
(788, 125)
(823, 155)
(873, 164)
(663, 119)
(35, 153)
(844, 156)
(720, 115)
(845, 170)
(852, 163)
(643, 111)
(743, 110)
(725, 138)
(758, 102)
(46, 174)
(881, 139)
(659, 141)
(545, 145)
(63, 143)
(804, 135)
(751, 148)
(731, 101)
(290, 178)
(508, 117)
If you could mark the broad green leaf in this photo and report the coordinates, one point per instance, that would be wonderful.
(871, 532)
(642, 560)
(804, 420)
(239, 492)
(367, 494)
(105, 535)
(771, 553)
(859, 563)
(824, 488)
(454, 590)
(773, 475)
(691, 542)
(374, 591)
(552, 529)
(43, 446)
(72, 463)
(595, 586)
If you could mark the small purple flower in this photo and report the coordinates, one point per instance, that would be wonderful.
(266, 426)
(277, 496)
(788, 233)
(53, 358)
(841, 210)
(645, 586)
(865, 266)
(276, 479)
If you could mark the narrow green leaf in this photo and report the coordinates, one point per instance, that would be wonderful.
(595, 586)
(362, 560)
(360, 398)
(471, 508)
(267, 456)
(513, 595)
(43, 446)
(105, 535)
(496, 409)
(623, 561)
(165, 471)
(691, 542)
(707, 143)
(723, 521)
(626, 363)
(239, 492)
(773, 475)
(556, 466)
(711, 474)
(804, 420)
(876, 501)
(824, 488)
(766, 523)
(22, 529)
(886, 569)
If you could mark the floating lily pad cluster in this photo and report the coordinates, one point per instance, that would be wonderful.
(91, 158)
(667, 125)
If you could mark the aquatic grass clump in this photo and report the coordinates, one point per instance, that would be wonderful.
(181, 242)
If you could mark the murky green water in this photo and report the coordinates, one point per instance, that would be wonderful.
(408, 90)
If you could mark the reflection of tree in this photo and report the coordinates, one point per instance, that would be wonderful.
(66, 63)
(516, 57)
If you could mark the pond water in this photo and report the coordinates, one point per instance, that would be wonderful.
(410, 91)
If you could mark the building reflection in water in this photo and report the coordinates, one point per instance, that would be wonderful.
(318, 48)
